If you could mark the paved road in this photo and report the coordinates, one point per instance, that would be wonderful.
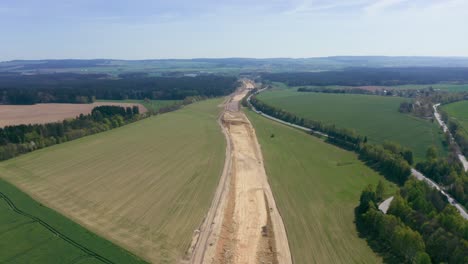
(415, 173)
(431, 183)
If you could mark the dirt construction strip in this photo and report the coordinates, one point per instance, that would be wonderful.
(243, 225)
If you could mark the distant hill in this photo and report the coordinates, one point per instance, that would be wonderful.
(224, 65)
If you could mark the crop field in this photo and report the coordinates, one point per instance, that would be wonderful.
(145, 186)
(438, 86)
(27, 240)
(47, 113)
(316, 187)
(376, 117)
(153, 105)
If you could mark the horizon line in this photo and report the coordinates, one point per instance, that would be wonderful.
(241, 58)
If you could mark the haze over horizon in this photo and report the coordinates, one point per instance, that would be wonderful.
(162, 29)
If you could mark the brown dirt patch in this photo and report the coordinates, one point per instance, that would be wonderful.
(48, 113)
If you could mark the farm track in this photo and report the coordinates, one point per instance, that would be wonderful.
(243, 224)
(57, 233)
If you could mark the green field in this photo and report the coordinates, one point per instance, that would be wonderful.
(145, 186)
(458, 111)
(376, 117)
(316, 187)
(150, 105)
(25, 240)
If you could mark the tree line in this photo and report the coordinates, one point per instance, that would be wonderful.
(422, 104)
(85, 88)
(19, 139)
(350, 90)
(390, 159)
(460, 135)
(392, 162)
(381, 91)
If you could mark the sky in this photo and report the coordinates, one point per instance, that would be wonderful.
(158, 29)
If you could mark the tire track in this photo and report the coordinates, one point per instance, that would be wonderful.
(209, 225)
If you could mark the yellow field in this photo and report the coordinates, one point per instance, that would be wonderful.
(145, 186)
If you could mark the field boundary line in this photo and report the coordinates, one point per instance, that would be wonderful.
(54, 231)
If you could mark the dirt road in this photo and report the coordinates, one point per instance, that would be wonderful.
(243, 225)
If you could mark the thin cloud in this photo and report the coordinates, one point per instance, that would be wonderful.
(382, 5)
(307, 7)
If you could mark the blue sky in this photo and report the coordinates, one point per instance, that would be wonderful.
(143, 29)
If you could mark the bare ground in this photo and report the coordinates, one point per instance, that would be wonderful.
(48, 113)
(247, 227)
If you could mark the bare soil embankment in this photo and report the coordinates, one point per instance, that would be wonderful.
(248, 227)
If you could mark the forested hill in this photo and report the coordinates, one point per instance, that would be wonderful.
(227, 65)
(373, 76)
(84, 88)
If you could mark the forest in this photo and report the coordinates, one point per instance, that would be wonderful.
(372, 76)
(419, 227)
(85, 88)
